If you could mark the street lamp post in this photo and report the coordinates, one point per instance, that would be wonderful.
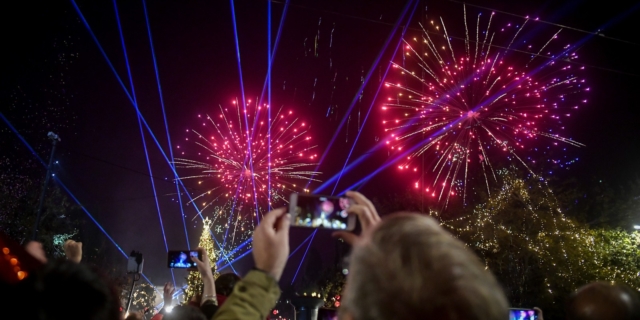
(134, 267)
(54, 141)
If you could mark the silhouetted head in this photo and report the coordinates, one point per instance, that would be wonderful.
(601, 301)
(64, 290)
(408, 267)
(225, 283)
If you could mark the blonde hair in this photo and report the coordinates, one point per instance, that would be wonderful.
(411, 268)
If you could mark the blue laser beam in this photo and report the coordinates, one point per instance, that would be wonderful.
(364, 83)
(224, 255)
(452, 91)
(443, 130)
(234, 260)
(250, 250)
(144, 143)
(269, 98)
(267, 86)
(305, 254)
(55, 178)
(404, 30)
(272, 52)
(360, 183)
(236, 249)
(164, 115)
(93, 36)
(244, 106)
(299, 246)
(24, 141)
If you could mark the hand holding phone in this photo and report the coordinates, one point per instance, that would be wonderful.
(323, 212)
(523, 314)
(367, 215)
(271, 243)
(181, 259)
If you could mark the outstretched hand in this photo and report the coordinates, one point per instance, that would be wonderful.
(169, 290)
(365, 211)
(540, 315)
(271, 242)
(204, 265)
(73, 250)
(34, 248)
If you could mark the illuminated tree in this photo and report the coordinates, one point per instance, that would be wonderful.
(537, 253)
(144, 296)
(194, 280)
(35, 105)
(61, 218)
(598, 203)
(331, 286)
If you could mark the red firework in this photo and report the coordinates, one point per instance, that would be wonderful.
(244, 155)
(463, 109)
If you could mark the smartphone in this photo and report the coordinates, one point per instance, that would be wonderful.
(523, 314)
(182, 258)
(327, 314)
(323, 212)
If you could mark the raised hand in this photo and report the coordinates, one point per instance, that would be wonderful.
(271, 242)
(365, 211)
(169, 290)
(204, 265)
(35, 249)
(73, 250)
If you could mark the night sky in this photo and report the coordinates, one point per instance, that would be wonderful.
(101, 156)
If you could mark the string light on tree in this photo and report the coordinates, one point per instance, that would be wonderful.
(538, 253)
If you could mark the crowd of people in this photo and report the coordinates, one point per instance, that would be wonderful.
(403, 266)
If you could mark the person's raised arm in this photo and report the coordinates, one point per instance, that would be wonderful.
(209, 301)
(35, 249)
(167, 297)
(271, 243)
(255, 295)
(204, 266)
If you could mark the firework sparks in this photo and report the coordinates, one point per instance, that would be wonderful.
(233, 161)
(462, 105)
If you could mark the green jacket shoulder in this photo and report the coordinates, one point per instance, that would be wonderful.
(252, 299)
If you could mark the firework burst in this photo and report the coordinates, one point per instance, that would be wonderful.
(241, 169)
(465, 104)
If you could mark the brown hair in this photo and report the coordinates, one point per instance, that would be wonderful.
(225, 283)
(602, 300)
(411, 268)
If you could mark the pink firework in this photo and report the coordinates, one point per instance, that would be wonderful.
(462, 105)
(241, 167)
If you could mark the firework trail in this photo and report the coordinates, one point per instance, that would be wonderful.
(232, 163)
(466, 106)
